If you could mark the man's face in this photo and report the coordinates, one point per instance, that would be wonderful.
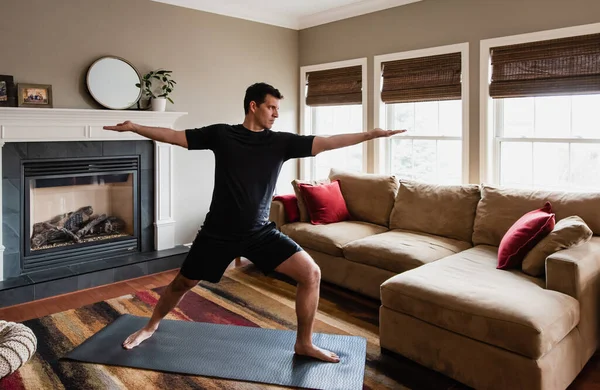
(267, 112)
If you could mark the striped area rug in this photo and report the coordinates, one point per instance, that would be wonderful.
(244, 297)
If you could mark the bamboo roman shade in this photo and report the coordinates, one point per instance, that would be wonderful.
(422, 79)
(334, 87)
(553, 67)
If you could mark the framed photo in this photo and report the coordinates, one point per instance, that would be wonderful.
(6, 89)
(34, 95)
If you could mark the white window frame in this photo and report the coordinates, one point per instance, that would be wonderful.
(381, 151)
(307, 164)
(489, 148)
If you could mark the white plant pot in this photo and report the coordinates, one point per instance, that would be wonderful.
(159, 104)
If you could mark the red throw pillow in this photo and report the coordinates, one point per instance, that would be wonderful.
(290, 206)
(523, 235)
(325, 203)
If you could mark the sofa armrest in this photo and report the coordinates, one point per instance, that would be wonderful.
(277, 213)
(576, 272)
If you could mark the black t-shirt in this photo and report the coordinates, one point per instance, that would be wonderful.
(247, 165)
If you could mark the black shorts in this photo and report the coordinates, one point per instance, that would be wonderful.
(210, 254)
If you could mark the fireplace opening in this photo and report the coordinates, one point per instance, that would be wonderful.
(107, 215)
(78, 210)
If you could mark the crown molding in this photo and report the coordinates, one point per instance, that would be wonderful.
(268, 16)
(349, 11)
(251, 13)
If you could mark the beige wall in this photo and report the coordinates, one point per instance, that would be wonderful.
(431, 23)
(213, 59)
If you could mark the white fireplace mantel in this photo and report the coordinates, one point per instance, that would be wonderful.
(58, 124)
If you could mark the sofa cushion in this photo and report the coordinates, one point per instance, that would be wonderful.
(466, 294)
(369, 197)
(400, 250)
(568, 232)
(357, 277)
(304, 217)
(442, 210)
(325, 203)
(330, 238)
(523, 235)
(499, 208)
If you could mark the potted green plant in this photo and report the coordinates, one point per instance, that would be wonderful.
(157, 86)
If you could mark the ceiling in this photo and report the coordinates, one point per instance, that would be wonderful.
(294, 14)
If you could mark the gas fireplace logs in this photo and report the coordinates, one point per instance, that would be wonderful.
(75, 227)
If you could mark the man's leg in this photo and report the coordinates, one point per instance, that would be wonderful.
(167, 302)
(303, 269)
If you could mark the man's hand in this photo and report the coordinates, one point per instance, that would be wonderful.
(378, 133)
(125, 126)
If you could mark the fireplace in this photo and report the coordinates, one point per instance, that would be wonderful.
(79, 210)
(60, 211)
(73, 192)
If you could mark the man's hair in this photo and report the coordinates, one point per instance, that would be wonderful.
(257, 93)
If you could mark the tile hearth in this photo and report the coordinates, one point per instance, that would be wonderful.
(62, 280)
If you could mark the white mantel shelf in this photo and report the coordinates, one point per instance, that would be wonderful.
(62, 124)
(65, 124)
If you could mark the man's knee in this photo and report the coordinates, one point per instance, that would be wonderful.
(312, 274)
(302, 268)
(182, 284)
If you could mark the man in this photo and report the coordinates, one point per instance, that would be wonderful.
(248, 159)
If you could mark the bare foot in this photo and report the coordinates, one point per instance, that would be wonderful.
(135, 339)
(316, 352)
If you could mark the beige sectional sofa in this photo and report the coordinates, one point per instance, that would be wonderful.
(429, 253)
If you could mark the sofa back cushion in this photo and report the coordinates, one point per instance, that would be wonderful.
(567, 233)
(500, 208)
(443, 210)
(369, 197)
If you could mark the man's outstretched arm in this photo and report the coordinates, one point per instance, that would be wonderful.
(321, 144)
(161, 134)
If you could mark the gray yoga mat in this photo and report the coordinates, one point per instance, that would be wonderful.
(228, 351)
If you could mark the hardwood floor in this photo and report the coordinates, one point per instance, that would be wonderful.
(588, 379)
(80, 298)
(44, 307)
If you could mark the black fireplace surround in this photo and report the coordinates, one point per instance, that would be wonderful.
(35, 275)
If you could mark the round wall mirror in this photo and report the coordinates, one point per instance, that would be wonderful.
(111, 82)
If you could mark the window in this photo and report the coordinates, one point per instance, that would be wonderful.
(331, 120)
(541, 123)
(332, 102)
(426, 93)
(549, 142)
(431, 148)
